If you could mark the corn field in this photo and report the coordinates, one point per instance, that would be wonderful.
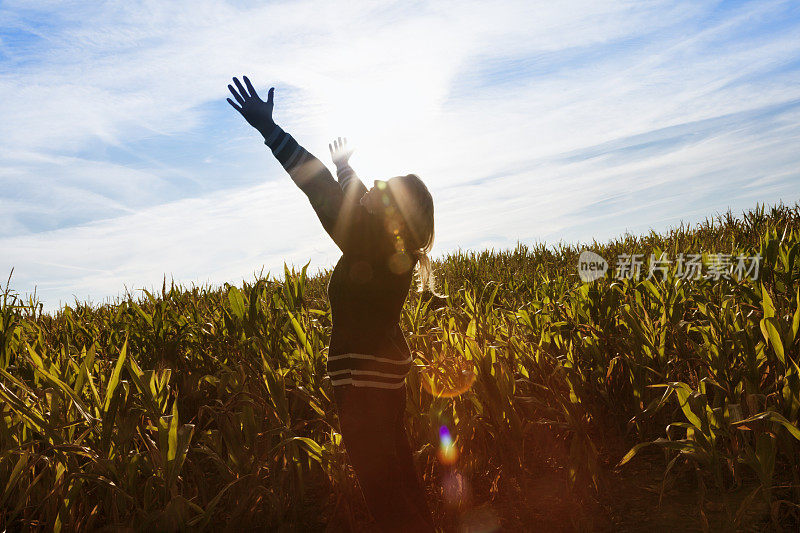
(208, 408)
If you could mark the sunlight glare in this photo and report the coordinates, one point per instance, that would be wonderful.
(448, 377)
(385, 114)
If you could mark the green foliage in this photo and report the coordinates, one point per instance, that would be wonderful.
(204, 408)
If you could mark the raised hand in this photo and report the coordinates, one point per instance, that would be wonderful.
(340, 153)
(255, 111)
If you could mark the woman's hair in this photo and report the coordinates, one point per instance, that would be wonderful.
(416, 207)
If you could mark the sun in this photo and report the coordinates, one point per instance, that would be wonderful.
(382, 118)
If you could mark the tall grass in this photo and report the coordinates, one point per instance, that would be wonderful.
(207, 408)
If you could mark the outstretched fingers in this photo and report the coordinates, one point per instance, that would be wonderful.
(250, 88)
(244, 93)
(236, 107)
(235, 94)
(339, 151)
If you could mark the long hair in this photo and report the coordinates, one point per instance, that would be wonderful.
(416, 207)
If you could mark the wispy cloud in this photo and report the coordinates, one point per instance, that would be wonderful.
(121, 161)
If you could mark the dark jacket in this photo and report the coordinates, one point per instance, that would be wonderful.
(368, 348)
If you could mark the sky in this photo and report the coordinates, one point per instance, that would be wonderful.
(121, 161)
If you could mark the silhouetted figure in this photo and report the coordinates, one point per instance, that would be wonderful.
(384, 234)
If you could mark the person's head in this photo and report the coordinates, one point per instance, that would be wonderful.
(406, 207)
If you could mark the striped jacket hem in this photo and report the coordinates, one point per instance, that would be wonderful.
(365, 370)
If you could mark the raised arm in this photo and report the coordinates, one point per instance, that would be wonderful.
(342, 219)
(348, 179)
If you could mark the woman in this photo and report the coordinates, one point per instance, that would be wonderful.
(383, 233)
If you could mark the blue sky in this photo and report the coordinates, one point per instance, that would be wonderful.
(121, 162)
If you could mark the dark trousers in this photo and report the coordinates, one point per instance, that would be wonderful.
(374, 434)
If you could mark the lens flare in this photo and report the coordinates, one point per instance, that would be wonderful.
(456, 490)
(448, 377)
(447, 448)
(480, 520)
(399, 263)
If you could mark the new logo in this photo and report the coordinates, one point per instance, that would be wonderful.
(591, 266)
